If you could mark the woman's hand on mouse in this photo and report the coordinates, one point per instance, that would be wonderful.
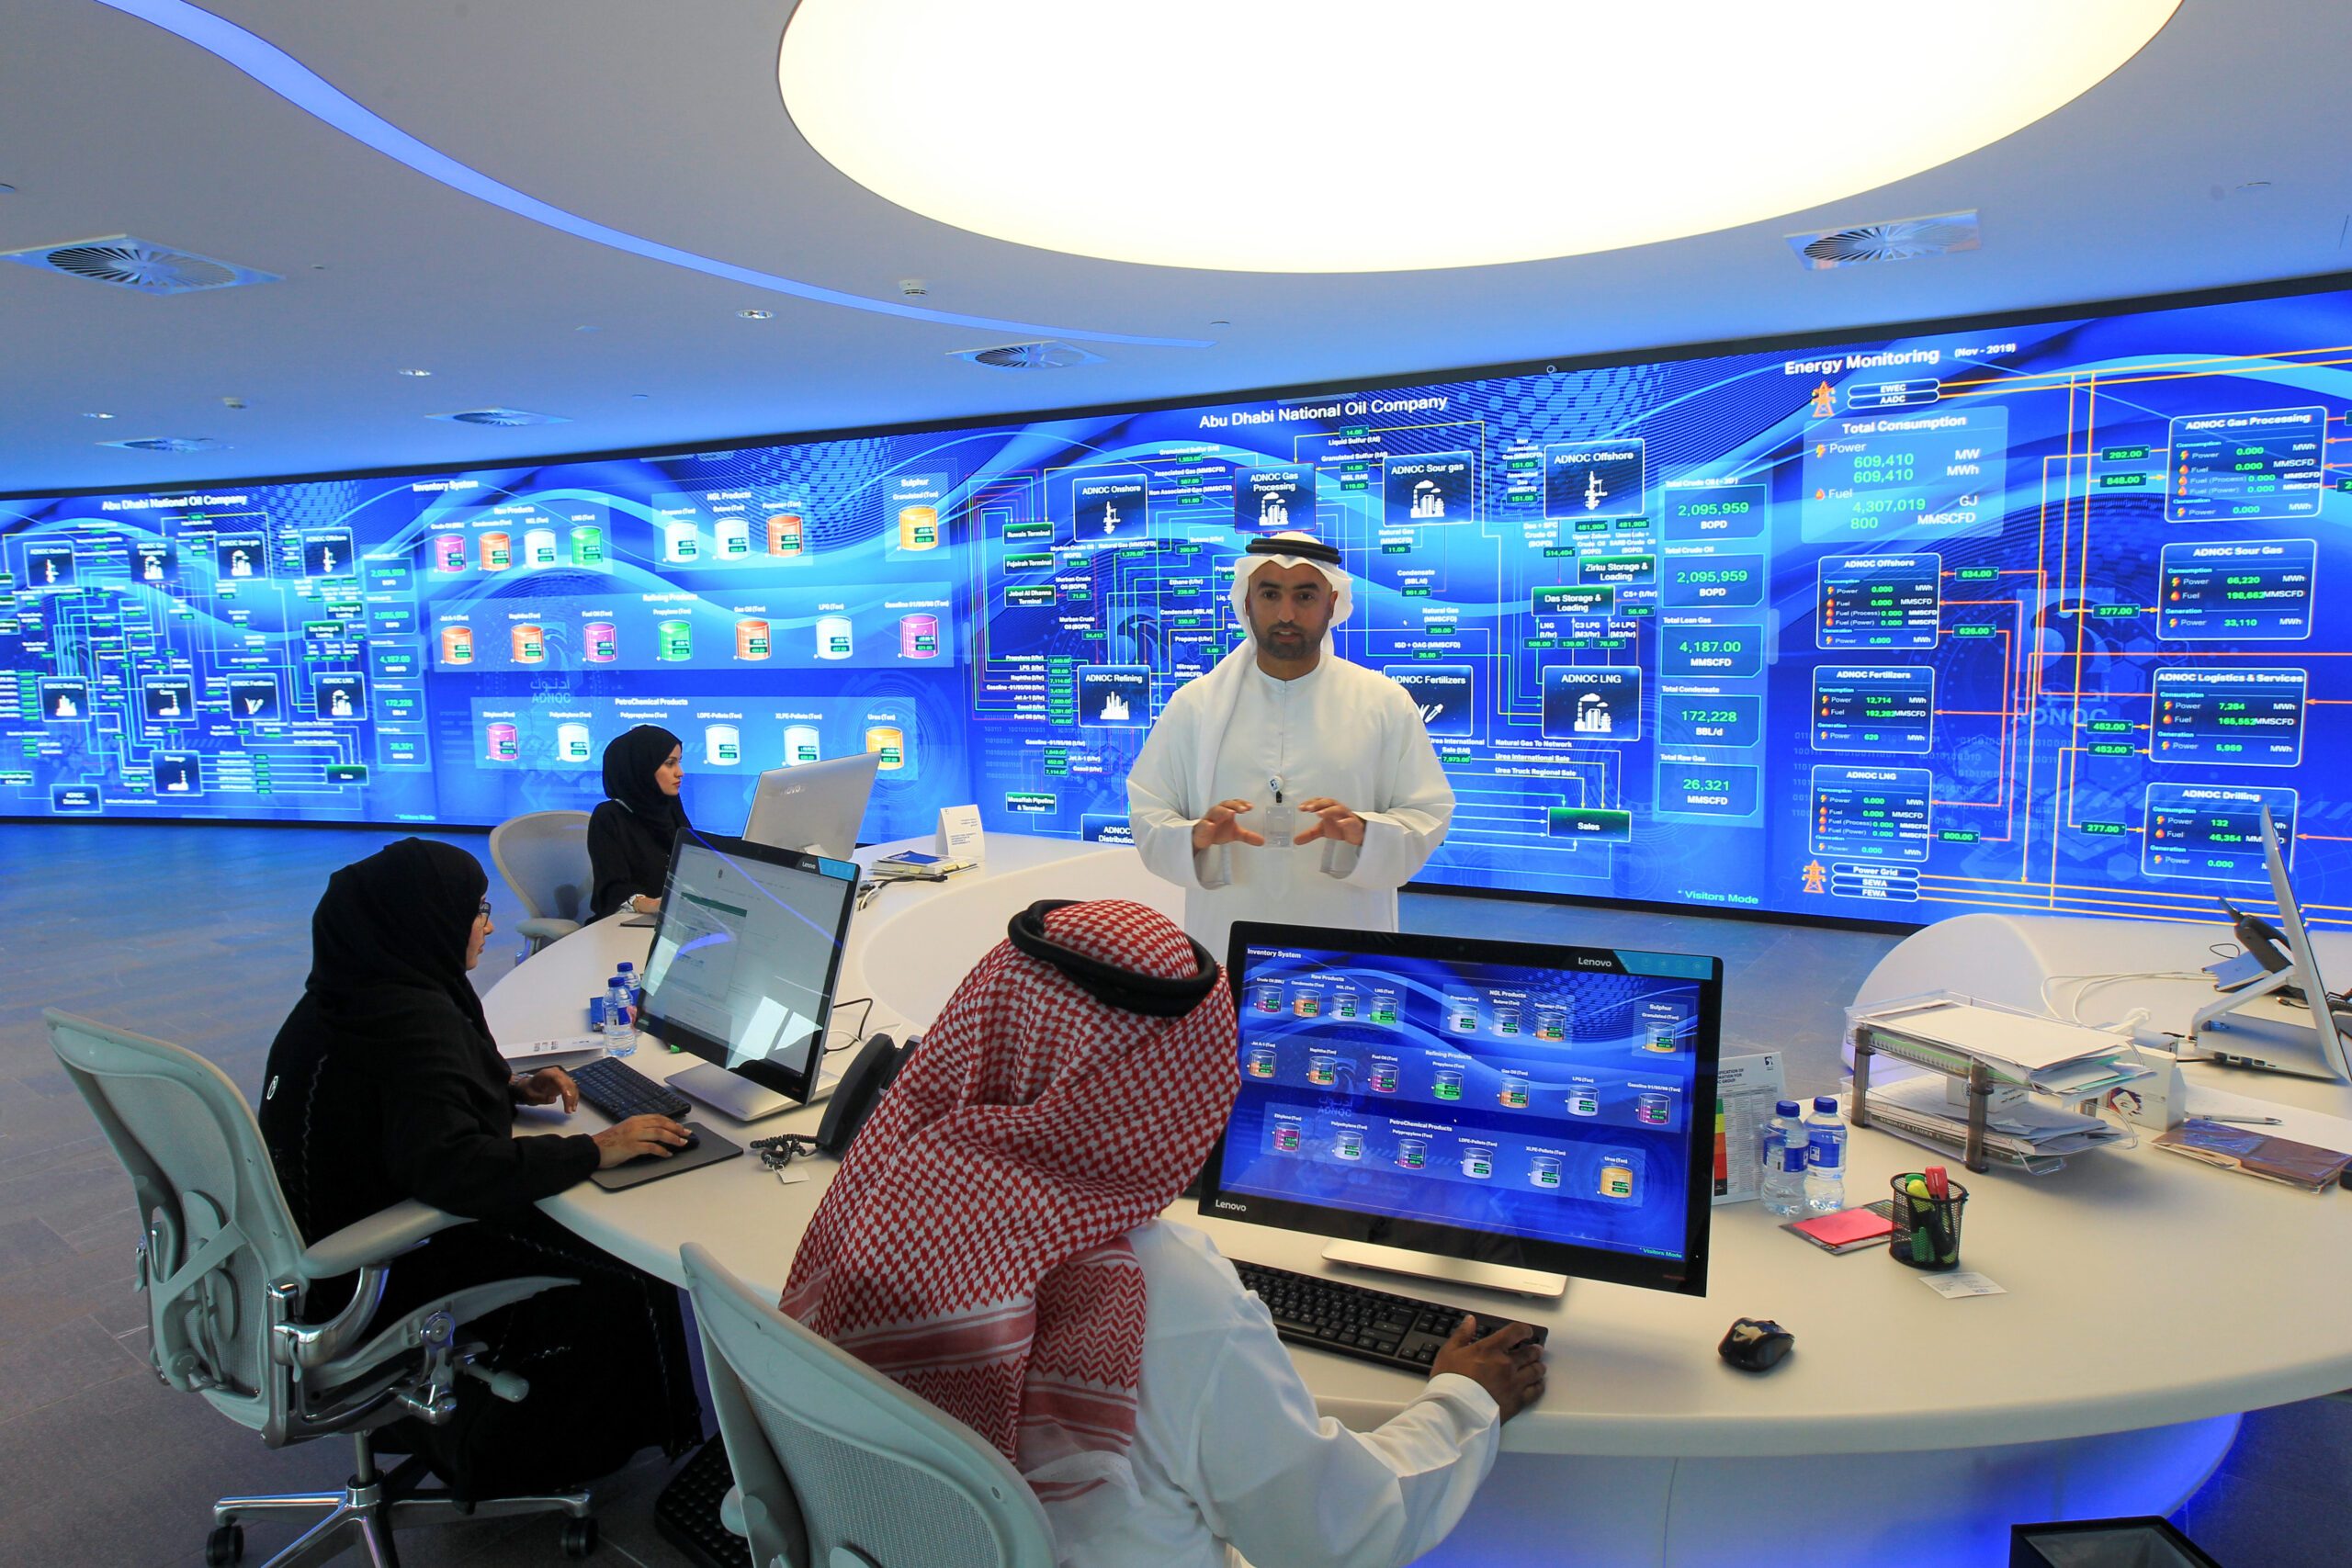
(639, 1136)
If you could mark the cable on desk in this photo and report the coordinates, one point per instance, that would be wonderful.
(2089, 982)
(857, 1034)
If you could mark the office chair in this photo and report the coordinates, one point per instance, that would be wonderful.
(838, 1467)
(225, 1274)
(543, 858)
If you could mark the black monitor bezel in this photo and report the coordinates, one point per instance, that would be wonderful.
(1685, 1276)
(791, 1085)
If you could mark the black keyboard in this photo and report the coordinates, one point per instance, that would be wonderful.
(620, 1091)
(1372, 1326)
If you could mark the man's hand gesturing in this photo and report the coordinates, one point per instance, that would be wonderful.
(1223, 826)
(1332, 821)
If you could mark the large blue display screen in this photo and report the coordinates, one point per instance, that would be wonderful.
(1535, 1102)
(2001, 617)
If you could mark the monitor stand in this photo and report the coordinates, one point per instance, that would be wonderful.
(733, 1094)
(1451, 1270)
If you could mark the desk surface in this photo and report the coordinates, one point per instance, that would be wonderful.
(2142, 1289)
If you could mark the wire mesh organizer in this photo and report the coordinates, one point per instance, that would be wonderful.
(1927, 1228)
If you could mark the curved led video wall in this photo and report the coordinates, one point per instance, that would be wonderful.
(1993, 617)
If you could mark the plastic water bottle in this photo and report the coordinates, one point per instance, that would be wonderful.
(1824, 1158)
(1784, 1154)
(627, 972)
(620, 1018)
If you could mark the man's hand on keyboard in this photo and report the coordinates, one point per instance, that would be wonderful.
(637, 1135)
(1506, 1363)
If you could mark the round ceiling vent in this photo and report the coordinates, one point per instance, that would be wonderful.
(140, 267)
(170, 444)
(1029, 357)
(1905, 239)
(502, 418)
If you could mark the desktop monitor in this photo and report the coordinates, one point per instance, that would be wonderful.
(2296, 1029)
(742, 968)
(815, 806)
(1537, 1109)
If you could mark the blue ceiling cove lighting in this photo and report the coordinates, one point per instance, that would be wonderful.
(306, 90)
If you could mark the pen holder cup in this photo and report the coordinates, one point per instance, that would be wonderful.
(1927, 1230)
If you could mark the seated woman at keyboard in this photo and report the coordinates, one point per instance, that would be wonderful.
(992, 1244)
(384, 1084)
(630, 831)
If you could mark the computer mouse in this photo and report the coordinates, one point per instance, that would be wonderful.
(1755, 1344)
(694, 1140)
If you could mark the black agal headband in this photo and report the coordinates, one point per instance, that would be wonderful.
(1304, 549)
(1129, 990)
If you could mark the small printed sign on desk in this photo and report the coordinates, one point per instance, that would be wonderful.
(1965, 1282)
(959, 833)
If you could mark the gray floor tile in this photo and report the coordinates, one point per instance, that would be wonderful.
(28, 1244)
(72, 1285)
(56, 1363)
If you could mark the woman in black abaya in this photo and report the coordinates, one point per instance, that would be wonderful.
(384, 1084)
(630, 831)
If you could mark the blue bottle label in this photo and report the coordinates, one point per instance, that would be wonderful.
(1826, 1149)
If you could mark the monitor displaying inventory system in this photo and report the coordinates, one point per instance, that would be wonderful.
(1505, 1105)
(742, 969)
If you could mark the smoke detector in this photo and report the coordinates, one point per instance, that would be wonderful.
(502, 418)
(170, 444)
(1049, 356)
(141, 265)
(1900, 239)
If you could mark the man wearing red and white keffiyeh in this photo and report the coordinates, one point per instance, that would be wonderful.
(992, 1244)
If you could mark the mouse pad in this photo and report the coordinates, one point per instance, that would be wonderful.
(647, 1167)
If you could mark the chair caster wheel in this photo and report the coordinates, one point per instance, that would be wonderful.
(224, 1546)
(579, 1538)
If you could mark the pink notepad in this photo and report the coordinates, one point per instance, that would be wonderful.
(1843, 1230)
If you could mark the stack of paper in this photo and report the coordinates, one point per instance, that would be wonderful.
(2065, 1060)
(2027, 1127)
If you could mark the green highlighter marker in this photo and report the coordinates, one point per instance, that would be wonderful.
(1923, 1244)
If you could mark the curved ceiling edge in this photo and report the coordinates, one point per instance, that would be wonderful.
(273, 68)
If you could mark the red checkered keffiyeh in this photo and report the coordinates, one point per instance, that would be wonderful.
(973, 1247)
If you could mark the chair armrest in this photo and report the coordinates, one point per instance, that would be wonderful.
(544, 927)
(463, 1307)
(372, 1240)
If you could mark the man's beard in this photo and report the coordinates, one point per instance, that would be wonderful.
(1287, 641)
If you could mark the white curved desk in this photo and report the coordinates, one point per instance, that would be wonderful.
(1902, 1418)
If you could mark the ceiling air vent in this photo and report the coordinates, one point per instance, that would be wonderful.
(504, 419)
(1903, 238)
(170, 444)
(142, 266)
(1053, 355)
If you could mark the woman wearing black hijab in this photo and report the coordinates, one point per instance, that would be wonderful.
(384, 1084)
(629, 833)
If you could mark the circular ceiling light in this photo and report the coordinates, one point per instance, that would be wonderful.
(1392, 135)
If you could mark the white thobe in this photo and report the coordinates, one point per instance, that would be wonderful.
(1339, 731)
(1231, 1461)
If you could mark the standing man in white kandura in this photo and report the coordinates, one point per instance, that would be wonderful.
(1287, 783)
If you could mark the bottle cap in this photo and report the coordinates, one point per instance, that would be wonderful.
(626, 967)
(1826, 1103)
(1787, 1107)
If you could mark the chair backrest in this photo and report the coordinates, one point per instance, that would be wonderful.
(840, 1466)
(217, 1228)
(543, 857)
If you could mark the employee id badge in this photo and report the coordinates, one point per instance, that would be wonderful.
(1279, 823)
